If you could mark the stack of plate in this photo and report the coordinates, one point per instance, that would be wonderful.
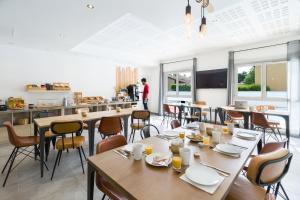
(202, 175)
(230, 150)
(246, 135)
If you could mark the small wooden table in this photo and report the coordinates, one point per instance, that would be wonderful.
(137, 180)
(41, 125)
(247, 116)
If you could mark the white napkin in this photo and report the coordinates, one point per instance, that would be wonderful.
(227, 154)
(209, 189)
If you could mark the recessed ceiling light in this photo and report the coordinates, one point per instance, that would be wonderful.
(90, 6)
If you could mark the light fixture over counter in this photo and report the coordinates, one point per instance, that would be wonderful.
(205, 4)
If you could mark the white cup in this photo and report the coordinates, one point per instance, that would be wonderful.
(216, 136)
(185, 154)
(137, 151)
(202, 127)
(251, 108)
(230, 127)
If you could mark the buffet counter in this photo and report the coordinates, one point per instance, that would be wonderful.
(30, 114)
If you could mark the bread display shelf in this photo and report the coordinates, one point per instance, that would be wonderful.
(47, 91)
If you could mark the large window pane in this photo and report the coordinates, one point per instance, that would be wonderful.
(277, 80)
(184, 83)
(249, 81)
(172, 83)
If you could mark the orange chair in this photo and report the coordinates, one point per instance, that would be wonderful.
(235, 117)
(102, 184)
(21, 144)
(265, 170)
(175, 124)
(110, 126)
(139, 119)
(168, 113)
(260, 122)
(275, 124)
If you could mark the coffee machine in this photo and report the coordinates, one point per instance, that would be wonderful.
(133, 92)
(3, 107)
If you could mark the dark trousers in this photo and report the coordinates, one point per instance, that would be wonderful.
(145, 103)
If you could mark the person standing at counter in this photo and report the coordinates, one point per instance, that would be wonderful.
(145, 93)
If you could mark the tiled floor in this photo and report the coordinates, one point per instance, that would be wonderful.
(70, 184)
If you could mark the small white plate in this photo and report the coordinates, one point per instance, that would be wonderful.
(193, 125)
(202, 175)
(230, 149)
(170, 133)
(246, 136)
(149, 159)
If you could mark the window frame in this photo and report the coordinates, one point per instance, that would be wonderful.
(263, 96)
(177, 83)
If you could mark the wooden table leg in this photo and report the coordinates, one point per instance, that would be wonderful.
(90, 182)
(91, 131)
(125, 119)
(42, 149)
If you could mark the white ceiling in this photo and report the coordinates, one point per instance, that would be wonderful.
(142, 32)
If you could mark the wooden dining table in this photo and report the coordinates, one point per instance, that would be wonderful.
(41, 125)
(138, 180)
(247, 117)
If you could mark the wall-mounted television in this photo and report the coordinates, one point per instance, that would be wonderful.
(211, 79)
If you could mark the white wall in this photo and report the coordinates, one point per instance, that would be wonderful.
(152, 76)
(209, 61)
(21, 66)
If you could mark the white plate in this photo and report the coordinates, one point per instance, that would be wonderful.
(246, 136)
(230, 149)
(170, 133)
(128, 147)
(193, 125)
(202, 175)
(149, 160)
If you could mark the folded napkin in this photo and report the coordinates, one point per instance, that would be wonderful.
(252, 135)
(227, 154)
(209, 189)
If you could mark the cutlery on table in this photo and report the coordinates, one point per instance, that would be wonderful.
(242, 147)
(220, 171)
(121, 154)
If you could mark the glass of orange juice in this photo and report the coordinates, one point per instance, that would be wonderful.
(206, 140)
(148, 150)
(225, 130)
(176, 162)
(182, 135)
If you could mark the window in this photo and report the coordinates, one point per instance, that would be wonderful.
(178, 84)
(265, 82)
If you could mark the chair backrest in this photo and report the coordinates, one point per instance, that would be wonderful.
(234, 114)
(111, 143)
(273, 146)
(146, 130)
(166, 108)
(259, 119)
(12, 135)
(66, 127)
(140, 114)
(202, 103)
(175, 124)
(110, 125)
(268, 169)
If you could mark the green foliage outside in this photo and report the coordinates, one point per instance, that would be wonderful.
(247, 81)
(250, 77)
(182, 87)
(251, 87)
